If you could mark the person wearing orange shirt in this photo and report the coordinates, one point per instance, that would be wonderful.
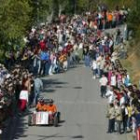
(51, 107)
(41, 106)
(109, 19)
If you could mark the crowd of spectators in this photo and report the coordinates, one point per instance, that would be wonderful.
(104, 19)
(115, 83)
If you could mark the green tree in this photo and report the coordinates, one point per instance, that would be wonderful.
(40, 10)
(14, 20)
(82, 5)
(63, 6)
(134, 18)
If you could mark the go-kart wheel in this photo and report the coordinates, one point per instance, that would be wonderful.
(55, 122)
(59, 117)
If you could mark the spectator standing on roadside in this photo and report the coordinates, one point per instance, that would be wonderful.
(31, 96)
(94, 68)
(124, 111)
(113, 80)
(111, 118)
(129, 108)
(110, 95)
(103, 85)
(44, 56)
(23, 100)
(109, 18)
(102, 63)
(38, 86)
(118, 117)
(98, 60)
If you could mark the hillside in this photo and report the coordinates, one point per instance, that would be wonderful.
(132, 63)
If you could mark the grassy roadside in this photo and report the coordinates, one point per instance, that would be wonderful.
(132, 63)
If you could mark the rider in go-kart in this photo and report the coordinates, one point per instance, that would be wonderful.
(45, 105)
(41, 106)
(51, 107)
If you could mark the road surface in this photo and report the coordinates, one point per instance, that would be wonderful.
(83, 111)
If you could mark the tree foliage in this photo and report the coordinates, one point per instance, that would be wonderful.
(134, 18)
(14, 19)
(41, 9)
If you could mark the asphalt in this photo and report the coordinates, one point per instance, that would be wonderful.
(83, 112)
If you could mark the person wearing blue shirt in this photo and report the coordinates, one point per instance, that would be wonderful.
(126, 81)
(44, 56)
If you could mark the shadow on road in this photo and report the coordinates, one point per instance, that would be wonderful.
(78, 137)
(20, 129)
(53, 82)
(62, 121)
(15, 129)
(50, 85)
(43, 137)
(77, 87)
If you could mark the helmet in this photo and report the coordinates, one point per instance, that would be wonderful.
(51, 101)
(41, 99)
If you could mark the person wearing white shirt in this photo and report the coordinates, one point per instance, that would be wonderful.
(113, 80)
(60, 37)
(111, 45)
(81, 45)
(103, 82)
(99, 59)
(75, 46)
(122, 101)
(94, 68)
(23, 100)
(110, 95)
(80, 50)
(122, 104)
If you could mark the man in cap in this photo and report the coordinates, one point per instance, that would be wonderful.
(41, 106)
(103, 85)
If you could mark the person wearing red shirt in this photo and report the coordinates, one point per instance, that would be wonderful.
(69, 47)
(42, 45)
(117, 93)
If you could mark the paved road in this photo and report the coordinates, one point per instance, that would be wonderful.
(83, 111)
